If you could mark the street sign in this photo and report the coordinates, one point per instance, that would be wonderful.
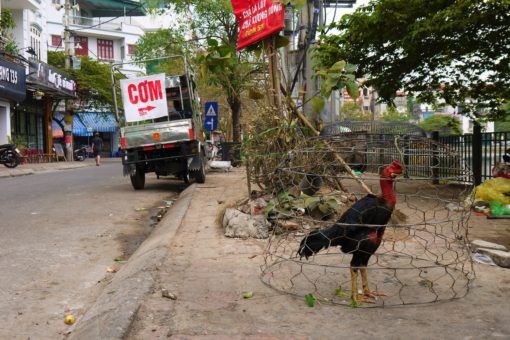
(211, 116)
(144, 97)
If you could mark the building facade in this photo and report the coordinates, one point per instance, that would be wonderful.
(103, 31)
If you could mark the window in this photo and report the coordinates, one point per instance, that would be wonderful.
(81, 46)
(105, 49)
(131, 49)
(35, 40)
(56, 40)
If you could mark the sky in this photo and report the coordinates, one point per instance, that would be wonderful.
(161, 21)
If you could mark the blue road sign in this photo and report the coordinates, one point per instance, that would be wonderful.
(211, 116)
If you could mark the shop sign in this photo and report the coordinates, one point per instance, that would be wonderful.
(143, 97)
(12, 81)
(257, 19)
(52, 77)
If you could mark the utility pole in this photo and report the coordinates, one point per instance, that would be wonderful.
(68, 117)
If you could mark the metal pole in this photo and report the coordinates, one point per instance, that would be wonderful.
(67, 60)
(114, 94)
(476, 150)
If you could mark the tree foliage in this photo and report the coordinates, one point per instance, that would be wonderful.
(393, 115)
(456, 51)
(353, 111)
(445, 124)
(93, 82)
(212, 32)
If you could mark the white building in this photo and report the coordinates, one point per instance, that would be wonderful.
(103, 32)
(28, 33)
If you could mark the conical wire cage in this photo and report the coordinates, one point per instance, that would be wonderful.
(424, 255)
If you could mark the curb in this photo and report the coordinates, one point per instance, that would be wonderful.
(25, 172)
(110, 317)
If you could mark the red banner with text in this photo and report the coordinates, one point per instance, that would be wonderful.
(257, 19)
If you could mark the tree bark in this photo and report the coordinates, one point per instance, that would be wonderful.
(235, 107)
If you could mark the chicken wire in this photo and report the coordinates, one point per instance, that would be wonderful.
(424, 256)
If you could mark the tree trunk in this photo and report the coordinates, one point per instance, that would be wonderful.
(235, 106)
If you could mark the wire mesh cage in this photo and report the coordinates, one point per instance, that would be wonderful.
(418, 255)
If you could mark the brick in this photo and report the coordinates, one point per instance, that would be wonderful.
(476, 244)
(501, 258)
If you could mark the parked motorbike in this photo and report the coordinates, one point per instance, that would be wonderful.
(81, 153)
(9, 155)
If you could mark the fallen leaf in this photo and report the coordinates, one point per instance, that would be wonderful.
(111, 270)
(140, 209)
(247, 295)
(253, 256)
(119, 260)
(310, 300)
(166, 294)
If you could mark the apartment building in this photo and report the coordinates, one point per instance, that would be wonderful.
(101, 30)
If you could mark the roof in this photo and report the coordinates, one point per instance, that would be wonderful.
(113, 8)
(86, 123)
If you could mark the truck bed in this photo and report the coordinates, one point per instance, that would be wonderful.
(168, 132)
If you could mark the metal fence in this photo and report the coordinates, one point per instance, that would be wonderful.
(491, 148)
(465, 159)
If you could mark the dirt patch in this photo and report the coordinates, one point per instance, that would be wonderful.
(130, 240)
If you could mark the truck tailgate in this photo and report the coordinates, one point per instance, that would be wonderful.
(157, 133)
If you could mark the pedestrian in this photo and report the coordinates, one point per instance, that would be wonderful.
(97, 146)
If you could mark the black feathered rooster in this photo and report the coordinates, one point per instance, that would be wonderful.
(359, 231)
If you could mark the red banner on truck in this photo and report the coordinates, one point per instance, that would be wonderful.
(257, 19)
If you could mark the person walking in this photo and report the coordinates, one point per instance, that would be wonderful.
(97, 146)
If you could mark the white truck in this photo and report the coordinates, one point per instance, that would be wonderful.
(169, 145)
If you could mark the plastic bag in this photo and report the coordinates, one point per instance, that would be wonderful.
(499, 209)
(495, 189)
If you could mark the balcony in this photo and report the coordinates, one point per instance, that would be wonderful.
(95, 23)
(21, 4)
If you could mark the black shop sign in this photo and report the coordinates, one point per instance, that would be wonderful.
(50, 77)
(12, 81)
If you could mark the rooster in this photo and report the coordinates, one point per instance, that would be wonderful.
(359, 232)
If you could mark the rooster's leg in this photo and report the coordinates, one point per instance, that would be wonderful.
(354, 288)
(364, 281)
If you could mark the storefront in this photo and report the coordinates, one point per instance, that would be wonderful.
(47, 90)
(12, 91)
(85, 125)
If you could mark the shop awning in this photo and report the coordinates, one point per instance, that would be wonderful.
(86, 123)
(113, 8)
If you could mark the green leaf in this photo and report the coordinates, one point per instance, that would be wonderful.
(310, 300)
(311, 203)
(350, 68)
(212, 42)
(339, 66)
(352, 89)
(317, 104)
(298, 4)
(321, 73)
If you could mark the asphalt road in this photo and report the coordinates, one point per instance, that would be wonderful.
(60, 234)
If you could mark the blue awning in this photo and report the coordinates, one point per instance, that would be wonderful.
(86, 123)
(96, 122)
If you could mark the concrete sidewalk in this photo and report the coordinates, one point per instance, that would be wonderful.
(33, 168)
(189, 256)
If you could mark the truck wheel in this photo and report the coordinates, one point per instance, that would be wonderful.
(138, 179)
(199, 174)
